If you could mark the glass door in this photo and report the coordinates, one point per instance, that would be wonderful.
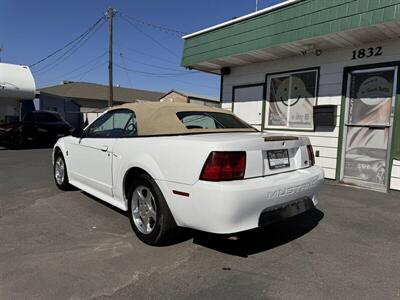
(368, 127)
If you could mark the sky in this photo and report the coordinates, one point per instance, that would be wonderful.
(147, 55)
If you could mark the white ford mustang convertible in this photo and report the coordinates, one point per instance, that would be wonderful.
(173, 165)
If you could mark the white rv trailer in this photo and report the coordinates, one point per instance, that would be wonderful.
(16, 86)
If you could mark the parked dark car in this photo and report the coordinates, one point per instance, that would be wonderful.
(38, 128)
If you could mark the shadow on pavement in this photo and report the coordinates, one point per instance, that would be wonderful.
(108, 205)
(26, 147)
(181, 235)
(261, 239)
(244, 243)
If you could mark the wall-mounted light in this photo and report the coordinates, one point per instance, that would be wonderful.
(226, 71)
(311, 49)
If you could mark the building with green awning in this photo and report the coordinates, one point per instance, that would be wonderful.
(323, 69)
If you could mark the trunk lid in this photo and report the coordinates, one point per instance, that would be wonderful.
(266, 153)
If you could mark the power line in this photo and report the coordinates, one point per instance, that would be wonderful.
(92, 69)
(149, 36)
(151, 74)
(69, 43)
(182, 70)
(83, 74)
(156, 26)
(126, 72)
(146, 54)
(67, 54)
(195, 85)
(165, 77)
(63, 76)
(73, 49)
(192, 84)
(73, 46)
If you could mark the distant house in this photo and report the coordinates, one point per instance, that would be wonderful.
(184, 97)
(75, 100)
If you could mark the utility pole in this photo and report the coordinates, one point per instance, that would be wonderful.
(110, 14)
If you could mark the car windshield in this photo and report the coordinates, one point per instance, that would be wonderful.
(211, 120)
(47, 117)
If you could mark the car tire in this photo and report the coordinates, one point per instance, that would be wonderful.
(60, 173)
(149, 214)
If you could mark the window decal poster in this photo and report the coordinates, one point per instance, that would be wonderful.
(291, 100)
(369, 111)
(278, 109)
(371, 98)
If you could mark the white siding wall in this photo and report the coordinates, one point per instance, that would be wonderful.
(395, 181)
(331, 65)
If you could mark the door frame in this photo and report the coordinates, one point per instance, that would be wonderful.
(393, 131)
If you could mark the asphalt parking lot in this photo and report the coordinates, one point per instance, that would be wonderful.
(69, 245)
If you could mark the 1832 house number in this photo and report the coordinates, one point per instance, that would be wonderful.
(367, 52)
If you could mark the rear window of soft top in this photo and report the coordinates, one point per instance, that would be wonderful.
(211, 120)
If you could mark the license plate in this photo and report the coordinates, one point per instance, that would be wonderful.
(278, 159)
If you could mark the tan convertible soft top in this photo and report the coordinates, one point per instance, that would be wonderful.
(158, 118)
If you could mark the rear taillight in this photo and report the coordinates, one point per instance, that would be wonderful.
(224, 166)
(311, 155)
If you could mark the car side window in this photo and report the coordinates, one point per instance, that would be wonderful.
(120, 120)
(110, 125)
(100, 127)
(131, 127)
(210, 120)
(200, 121)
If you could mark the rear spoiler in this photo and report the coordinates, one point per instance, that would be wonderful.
(275, 138)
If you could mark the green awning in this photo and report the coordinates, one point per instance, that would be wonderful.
(299, 21)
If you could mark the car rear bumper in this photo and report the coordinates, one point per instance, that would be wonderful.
(229, 207)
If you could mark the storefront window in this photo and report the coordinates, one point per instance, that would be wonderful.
(290, 100)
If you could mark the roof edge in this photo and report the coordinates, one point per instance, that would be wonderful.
(98, 84)
(245, 17)
(194, 96)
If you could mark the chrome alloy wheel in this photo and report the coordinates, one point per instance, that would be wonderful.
(59, 170)
(144, 210)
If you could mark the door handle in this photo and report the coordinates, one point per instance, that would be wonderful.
(104, 148)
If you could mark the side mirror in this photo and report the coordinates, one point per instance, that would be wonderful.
(78, 133)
